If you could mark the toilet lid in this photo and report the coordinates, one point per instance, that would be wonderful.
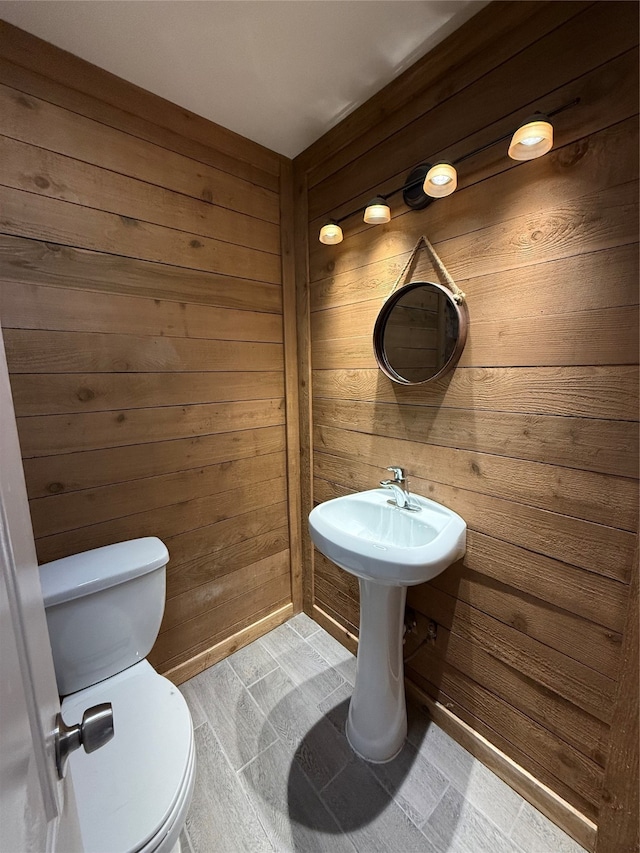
(126, 790)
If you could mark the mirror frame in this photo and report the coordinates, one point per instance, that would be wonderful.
(462, 313)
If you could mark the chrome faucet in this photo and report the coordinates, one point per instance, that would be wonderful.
(402, 497)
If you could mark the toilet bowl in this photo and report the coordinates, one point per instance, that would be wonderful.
(104, 608)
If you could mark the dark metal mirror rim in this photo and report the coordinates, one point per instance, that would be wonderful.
(462, 314)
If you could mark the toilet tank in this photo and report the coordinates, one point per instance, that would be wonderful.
(104, 608)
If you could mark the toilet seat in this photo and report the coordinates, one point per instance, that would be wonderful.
(131, 792)
(167, 837)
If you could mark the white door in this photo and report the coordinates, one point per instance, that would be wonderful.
(37, 811)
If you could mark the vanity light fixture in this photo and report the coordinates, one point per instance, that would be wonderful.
(532, 139)
(331, 233)
(441, 180)
(377, 212)
(429, 181)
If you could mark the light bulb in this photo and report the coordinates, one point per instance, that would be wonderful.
(441, 180)
(532, 139)
(331, 233)
(377, 211)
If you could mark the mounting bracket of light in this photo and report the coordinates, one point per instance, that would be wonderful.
(413, 193)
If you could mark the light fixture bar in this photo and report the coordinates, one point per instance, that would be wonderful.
(479, 150)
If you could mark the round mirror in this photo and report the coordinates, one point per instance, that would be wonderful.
(420, 333)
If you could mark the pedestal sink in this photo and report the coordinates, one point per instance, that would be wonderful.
(388, 548)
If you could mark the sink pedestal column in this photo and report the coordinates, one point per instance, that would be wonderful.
(377, 723)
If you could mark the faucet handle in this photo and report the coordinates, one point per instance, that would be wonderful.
(398, 473)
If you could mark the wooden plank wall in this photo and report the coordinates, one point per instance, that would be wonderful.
(534, 438)
(142, 307)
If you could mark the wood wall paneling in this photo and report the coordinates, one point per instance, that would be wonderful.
(605, 445)
(52, 475)
(602, 391)
(226, 579)
(534, 438)
(34, 169)
(38, 262)
(46, 309)
(166, 520)
(141, 259)
(64, 223)
(36, 121)
(61, 512)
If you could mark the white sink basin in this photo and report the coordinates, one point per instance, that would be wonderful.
(366, 535)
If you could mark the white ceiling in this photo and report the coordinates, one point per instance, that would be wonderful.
(280, 72)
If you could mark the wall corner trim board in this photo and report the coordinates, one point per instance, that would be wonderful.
(204, 372)
(619, 826)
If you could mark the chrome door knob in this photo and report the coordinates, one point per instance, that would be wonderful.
(94, 731)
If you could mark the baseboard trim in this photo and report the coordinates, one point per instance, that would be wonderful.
(338, 631)
(562, 813)
(203, 660)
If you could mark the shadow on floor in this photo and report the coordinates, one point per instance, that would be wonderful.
(360, 791)
(314, 794)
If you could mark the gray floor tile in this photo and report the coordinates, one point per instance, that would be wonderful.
(281, 640)
(303, 625)
(221, 818)
(534, 833)
(335, 654)
(447, 755)
(184, 842)
(414, 783)
(234, 716)
(441, 827)
(482, 788)
(371, 818)
(336, 706)
(275, 690)
(418, 723)
(493, 797)
(464, 829)
(251, 663)
(304, 666)
(197, 714)
(309, 670)
(318, 747)
(293, 815)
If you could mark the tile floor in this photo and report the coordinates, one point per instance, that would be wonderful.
(275, 772)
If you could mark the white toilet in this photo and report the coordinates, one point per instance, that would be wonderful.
(104, 609)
